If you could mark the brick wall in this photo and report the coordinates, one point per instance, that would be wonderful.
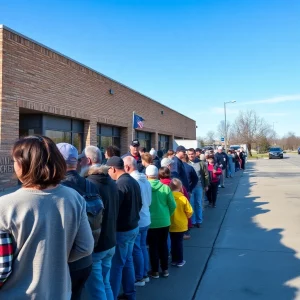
(39, 79)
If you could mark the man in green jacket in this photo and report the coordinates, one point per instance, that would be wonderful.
(161, 209)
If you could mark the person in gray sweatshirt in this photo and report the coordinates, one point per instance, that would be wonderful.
(45, 222)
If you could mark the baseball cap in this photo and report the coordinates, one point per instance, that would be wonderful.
(166, 162)
(135, 143)
(116, 162)
(151, 170)
(69, 152)
(180, 148)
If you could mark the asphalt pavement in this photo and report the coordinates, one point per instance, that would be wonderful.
(249, 246)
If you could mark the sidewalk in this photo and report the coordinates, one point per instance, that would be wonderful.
(183, 282)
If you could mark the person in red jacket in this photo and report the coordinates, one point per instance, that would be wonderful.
(214, 175)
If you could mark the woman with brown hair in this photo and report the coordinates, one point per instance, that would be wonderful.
(45, 224)
(170, 154)
(147, 159)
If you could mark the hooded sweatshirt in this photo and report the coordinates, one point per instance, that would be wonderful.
(183, 211)
(162, 206)
(146, 192)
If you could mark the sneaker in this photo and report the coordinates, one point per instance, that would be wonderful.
(173, 263)
(215, 206)
(146, 279)
(209, 205)
(140, 283)
(219, 185)
(223, 186)
(181, 264)
(186, 237)
(154, 275)
(165, 273)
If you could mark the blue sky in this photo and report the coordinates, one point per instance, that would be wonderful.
(189, 55)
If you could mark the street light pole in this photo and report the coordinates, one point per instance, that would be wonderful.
(225, 137)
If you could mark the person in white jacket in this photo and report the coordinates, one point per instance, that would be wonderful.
(140, 253)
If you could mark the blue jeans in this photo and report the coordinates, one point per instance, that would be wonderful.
(122, 268)
(140, 254)
(98, 286)
(196, 202)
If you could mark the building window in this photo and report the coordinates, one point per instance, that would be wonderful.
(108, 136)
(60, 130)
(144, 139)
(163, 142)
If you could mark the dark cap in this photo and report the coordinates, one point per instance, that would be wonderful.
(135, 143)
(116, 162)
(180, 148)
(198, 150)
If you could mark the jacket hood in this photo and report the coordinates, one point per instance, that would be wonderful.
(165, 181)
(139, 176)
(155, 184)
(95, 169)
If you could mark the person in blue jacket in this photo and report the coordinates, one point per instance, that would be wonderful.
(177, 167)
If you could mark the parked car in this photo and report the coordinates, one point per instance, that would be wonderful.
(275, 152)
(299, 150)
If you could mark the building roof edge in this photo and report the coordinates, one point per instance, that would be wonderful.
(75, 61)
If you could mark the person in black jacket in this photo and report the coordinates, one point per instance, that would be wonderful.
(178, 169)
(134, 152)
(130, 201)
(80, 269)
(221, 161)
(98, 284)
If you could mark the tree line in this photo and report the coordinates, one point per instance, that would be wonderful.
(254, 131)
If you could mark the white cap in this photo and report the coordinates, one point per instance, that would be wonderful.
(166, 162)
(220, 148)
(153, 152)
(152, 170)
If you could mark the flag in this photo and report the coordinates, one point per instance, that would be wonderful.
(137, 121)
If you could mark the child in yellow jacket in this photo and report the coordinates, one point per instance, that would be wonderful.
(179, 222)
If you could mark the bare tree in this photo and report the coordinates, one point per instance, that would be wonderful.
(221, 130)
(201, 141)
(249, 128)
(210, 137)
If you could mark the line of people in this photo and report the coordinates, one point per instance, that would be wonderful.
(46, 243)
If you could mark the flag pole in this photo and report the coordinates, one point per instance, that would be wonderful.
(132, 125)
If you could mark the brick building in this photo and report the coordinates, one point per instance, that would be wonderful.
(45, 92)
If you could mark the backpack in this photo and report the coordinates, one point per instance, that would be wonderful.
(94, 210)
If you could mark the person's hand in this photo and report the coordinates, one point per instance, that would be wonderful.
(221, 166)
(214, 171)
(206, 188)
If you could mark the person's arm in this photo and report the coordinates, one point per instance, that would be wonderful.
(218, 171)
(171, 203)
(188, 208)
(6, 256)
(194, 179)
(174, 169)
(205, 176)
(84, 241)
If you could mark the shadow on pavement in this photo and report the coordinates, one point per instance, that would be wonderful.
(247, 261)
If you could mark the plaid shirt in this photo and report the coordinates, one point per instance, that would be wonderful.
(6, 256)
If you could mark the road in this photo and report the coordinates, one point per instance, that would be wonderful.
(249, 246)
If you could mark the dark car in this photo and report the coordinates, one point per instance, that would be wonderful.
(275, 152)
(299, 150)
